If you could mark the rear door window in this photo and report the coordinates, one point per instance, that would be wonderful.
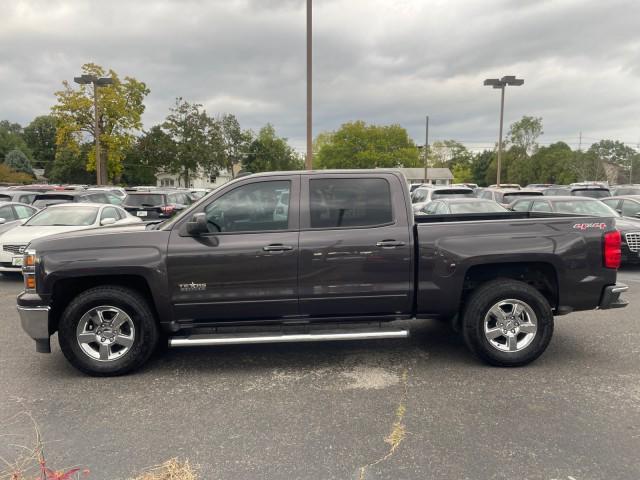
(630, 208)
(349, 202)
(22, 211)
(7, 213)
(541, 206)
(522, 206)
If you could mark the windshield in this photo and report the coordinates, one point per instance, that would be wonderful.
(591, 193)
(144, 200)
(522, 194)
(63, 216)
(476, 207)
(596, 208)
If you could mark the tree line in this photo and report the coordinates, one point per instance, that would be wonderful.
(190, 142)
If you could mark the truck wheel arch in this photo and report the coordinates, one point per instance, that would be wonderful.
(66, 289)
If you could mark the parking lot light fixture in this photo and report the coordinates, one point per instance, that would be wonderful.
(501, 83)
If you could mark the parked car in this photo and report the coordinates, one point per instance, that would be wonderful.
(457, 206)
(592, 191)
(158, 204)
(345, 261)
(557, 190)
(625, 190)
(20, 196)
(117, 191)
(510, 186)
(45, 199)
(423, 195)
(35, 188)
(55, 219)
(505, 197)
(629, 228)
(626, 205)
(538, 186)
(11, 212)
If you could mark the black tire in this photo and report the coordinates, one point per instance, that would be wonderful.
(478, 306)
(134, 305)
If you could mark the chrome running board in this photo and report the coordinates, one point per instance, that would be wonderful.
(233, 339)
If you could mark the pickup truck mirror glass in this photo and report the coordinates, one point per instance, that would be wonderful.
(3, 221)
(107, 221)
(197, 225)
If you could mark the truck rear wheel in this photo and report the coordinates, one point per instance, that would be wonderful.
(108, 331)
(507, 323)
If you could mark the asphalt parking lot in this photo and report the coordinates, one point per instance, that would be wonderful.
(403, 409)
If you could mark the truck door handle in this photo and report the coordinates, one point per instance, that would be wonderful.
(389, 244)
(277, 247)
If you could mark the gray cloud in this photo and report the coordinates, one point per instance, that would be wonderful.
(381, 61)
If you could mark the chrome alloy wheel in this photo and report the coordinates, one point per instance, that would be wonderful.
(510, 325)
(105, 333)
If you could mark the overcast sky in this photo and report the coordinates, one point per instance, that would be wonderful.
(382, 61)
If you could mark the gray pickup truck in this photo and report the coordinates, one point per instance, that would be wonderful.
(314, 256)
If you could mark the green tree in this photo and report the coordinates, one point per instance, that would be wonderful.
(462, 173)
(448, 154)
(232, 142)
(552, 164)
(71, 166)
(11, 139)
(120, 107)
(524, 134)
(154, 150)
(40, 137)
(616, 152)
(197, 141)
(480, 166)
(358, 145)
(18, 161)
(268, 153)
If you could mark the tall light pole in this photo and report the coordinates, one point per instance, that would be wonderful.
(309, 159)
(501, 83)
(101, 167)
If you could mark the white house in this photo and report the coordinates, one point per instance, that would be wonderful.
(200, 180)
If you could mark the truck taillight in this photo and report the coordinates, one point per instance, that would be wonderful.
(612, 249)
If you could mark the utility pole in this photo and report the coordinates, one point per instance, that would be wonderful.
(426, 151)
(502, 83)
(101, 164)
(309, 159)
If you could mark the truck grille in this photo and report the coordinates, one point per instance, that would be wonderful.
(15, 249)
(633, 241)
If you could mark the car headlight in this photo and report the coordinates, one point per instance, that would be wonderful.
(29, 270)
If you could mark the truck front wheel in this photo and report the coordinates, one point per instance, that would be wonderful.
(108, 331)
(507, 323)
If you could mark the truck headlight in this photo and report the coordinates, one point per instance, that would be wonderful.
(29, 270)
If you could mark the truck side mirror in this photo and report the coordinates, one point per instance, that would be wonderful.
(108, 221)
(197, 225)
(3, 221)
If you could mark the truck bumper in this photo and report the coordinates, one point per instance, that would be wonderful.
(611, 297)
(35, 321)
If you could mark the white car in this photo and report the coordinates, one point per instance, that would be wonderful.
(62, 218)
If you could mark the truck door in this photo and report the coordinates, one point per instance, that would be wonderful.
(355, 246)
(246, 267)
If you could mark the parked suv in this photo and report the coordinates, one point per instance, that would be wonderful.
(156, 204)
(46, 199)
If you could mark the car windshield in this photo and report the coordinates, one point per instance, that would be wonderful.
(592, 193)
(64, 217)
(583, 207)
(476, 207)
(144, 200)
(522, 194)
